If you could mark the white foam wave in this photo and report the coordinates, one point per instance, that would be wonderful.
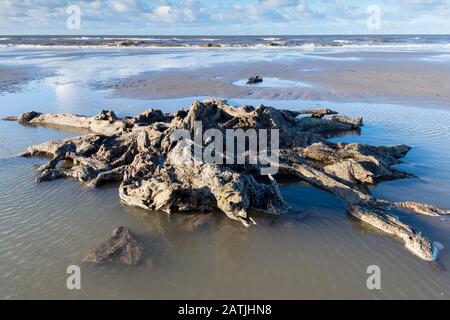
(343, 41)
(271, 39)
(119, 43)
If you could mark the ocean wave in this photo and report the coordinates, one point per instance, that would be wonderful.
(343, 42)
(192, 42)
(400, 46)
(271, 39)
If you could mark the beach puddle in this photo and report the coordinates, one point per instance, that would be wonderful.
(273, 83)
(309, 70)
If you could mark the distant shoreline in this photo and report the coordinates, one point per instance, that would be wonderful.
(302, 42)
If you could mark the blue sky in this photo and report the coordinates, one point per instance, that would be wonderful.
(225, 16)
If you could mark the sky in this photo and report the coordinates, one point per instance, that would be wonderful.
(224, 17)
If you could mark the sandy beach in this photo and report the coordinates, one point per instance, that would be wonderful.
(410, 78)
(403, 97)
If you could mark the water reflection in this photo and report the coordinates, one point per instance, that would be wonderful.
(341, 134)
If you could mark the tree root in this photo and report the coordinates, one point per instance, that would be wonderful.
(155, 174)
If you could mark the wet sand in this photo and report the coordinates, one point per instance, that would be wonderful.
(411, 78)
(12, 77)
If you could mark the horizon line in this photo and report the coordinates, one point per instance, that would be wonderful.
(233, 35)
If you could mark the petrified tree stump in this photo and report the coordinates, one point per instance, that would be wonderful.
(141, 154)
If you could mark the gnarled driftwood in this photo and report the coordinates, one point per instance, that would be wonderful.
(141, 154)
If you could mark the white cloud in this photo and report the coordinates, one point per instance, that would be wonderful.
(182, 12)
(277, 3)
(32, 16)
(122, 6)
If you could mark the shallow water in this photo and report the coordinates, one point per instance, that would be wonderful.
(273, 83)
(318, 252)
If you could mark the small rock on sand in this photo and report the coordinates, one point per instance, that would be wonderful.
(254, 80)
(121, 248)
